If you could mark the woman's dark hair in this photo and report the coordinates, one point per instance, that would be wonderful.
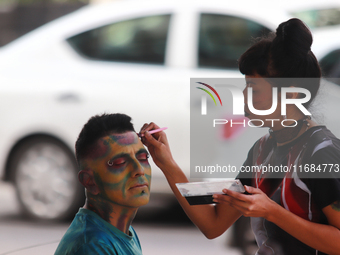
(285, 54)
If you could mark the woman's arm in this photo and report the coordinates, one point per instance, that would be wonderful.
(325, 238)
(211, 220)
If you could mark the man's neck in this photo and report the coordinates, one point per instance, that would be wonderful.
(119, 216)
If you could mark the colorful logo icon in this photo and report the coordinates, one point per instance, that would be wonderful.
(210, 93)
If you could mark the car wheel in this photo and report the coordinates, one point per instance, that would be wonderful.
(45, 177)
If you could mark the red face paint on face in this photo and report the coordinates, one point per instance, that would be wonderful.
(125, 139)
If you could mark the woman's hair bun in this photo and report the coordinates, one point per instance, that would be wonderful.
(284, 54)
(293, 38)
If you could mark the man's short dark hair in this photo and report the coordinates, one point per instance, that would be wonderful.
(100, 126)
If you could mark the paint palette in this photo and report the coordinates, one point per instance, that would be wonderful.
(198, 193)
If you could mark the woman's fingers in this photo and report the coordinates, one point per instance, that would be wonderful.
(252, 190)
(157, 144)
(148, 127)
(151, 140)
(225, 199)
(254, 205)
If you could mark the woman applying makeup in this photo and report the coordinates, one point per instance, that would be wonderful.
(291, 213)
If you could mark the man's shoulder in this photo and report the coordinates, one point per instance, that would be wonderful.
(94, 229)
(84, 232)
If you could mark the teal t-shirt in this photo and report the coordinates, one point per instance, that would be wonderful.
(90, 234)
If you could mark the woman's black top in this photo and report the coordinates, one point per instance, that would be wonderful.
(302, 176)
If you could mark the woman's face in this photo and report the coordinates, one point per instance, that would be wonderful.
(262, 100)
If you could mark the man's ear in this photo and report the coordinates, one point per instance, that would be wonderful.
(87, 180)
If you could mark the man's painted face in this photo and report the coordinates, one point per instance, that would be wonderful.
(121, 169)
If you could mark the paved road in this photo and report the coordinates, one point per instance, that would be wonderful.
(158, 237)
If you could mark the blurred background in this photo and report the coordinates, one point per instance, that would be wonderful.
(18, 17)
(62, 61)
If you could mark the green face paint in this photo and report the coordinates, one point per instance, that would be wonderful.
(121, 170)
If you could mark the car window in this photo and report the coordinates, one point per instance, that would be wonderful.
(141, 40)
(223, 39)
(319, 17)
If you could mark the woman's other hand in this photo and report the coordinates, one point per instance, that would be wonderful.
(254, 204)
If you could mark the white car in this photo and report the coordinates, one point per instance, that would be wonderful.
(327, 49)
(133, 57)
(315, 13)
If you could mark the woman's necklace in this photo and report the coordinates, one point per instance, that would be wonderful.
(289, 133)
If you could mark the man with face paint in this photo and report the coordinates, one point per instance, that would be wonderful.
(114, 169)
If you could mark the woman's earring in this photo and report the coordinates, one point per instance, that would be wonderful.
(110, 163)
(305, 120)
